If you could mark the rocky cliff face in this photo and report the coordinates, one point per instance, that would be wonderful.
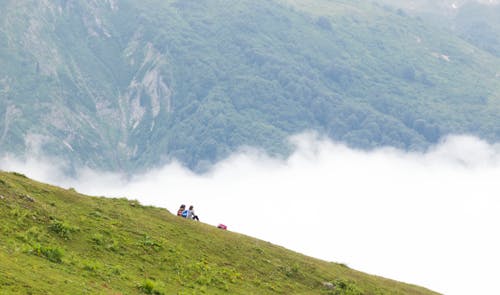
(72, 101)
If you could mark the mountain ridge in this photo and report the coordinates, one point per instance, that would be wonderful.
(115, 85)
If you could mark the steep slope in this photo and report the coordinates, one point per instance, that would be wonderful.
(126, 85)
(438, 8)
(480, 25)
(58, 241)
(476, 21)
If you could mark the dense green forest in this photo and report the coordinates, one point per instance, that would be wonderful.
(127, 85)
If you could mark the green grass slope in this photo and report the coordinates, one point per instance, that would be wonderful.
(56, 241)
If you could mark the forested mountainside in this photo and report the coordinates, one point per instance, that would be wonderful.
(480, 25)
(126, 85)
(476, 21)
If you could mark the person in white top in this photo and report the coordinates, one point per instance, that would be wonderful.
(191, 214)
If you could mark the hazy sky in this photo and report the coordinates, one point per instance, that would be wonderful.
(429, 219)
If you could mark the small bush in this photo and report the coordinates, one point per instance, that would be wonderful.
(149, 243)
(345, 287)
(62, 229)
(98, 239)
(53, 254)
(291, 271)
(92, 266)
(150, 287)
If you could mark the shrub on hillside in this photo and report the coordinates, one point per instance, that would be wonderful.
(62, 229)
(150, 287)
(53, 254)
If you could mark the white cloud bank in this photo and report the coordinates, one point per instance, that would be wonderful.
(429, 219)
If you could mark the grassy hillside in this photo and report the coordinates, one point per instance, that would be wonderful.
(56, 241)
(127, 85)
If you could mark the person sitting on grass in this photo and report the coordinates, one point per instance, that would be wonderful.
(181, 209)
(191, 215)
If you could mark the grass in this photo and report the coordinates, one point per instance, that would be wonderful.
(60, 242)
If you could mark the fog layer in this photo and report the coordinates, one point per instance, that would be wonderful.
(425, 218)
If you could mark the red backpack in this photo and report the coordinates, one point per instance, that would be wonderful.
(222, 226)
